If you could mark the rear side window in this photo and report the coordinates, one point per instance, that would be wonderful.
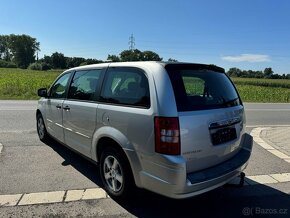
(201, 89)
(84, 85)
(126, 86)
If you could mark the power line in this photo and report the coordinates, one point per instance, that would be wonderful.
(131, 42)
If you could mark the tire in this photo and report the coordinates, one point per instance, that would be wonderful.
(116, 174)
(41, 129)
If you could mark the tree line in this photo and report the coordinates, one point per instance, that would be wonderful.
(21, 51)
(267, 73)
(18, 50)
(135, 55)
(57, 60)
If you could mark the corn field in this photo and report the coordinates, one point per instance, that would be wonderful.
(23, 84)
(263, 90)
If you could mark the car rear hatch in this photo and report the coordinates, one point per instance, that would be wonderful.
(210, 114)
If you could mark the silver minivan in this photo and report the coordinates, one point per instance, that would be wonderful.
(177, 129)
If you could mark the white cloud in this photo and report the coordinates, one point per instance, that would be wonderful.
(247, 58)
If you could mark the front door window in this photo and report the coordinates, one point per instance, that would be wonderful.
(58, 90)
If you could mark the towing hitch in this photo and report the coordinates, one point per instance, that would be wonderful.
(241, 183)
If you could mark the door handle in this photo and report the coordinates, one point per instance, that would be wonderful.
(58, 106)
(67, 108)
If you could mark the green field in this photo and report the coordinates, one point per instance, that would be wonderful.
(23, 84)
(263, 90)
(280, 83)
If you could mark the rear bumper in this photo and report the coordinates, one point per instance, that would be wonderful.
(173, 181)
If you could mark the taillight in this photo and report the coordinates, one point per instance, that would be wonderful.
(167, 135)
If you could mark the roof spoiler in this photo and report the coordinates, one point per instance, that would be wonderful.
(194, 66)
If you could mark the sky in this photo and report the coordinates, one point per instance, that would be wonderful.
(248, 34)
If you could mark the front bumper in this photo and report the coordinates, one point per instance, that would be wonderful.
(177, 184)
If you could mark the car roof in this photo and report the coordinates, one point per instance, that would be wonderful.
(149, 64)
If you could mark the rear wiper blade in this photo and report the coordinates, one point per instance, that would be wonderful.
(226, 103)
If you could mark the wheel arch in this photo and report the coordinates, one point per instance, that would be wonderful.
(120, 142)
(38, 112)
(108, 134)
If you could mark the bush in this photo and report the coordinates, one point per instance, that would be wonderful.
(7, 64)
(45, 66)
(39, 66)
(35, 66)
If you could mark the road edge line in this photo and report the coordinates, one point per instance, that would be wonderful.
(256, 136)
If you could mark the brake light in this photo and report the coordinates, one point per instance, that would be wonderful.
(167, 135)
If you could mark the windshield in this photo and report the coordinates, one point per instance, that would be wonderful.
(202, 89)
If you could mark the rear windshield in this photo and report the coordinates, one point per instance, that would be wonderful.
(201, 89)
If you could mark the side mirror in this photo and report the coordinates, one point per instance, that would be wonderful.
(42, 92)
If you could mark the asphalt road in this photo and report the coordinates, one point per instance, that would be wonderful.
(28, 166)
(267, 114)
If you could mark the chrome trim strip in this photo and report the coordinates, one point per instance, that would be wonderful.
(224, 123)
(82, 135)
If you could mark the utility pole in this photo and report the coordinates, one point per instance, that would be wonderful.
(131, 42)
